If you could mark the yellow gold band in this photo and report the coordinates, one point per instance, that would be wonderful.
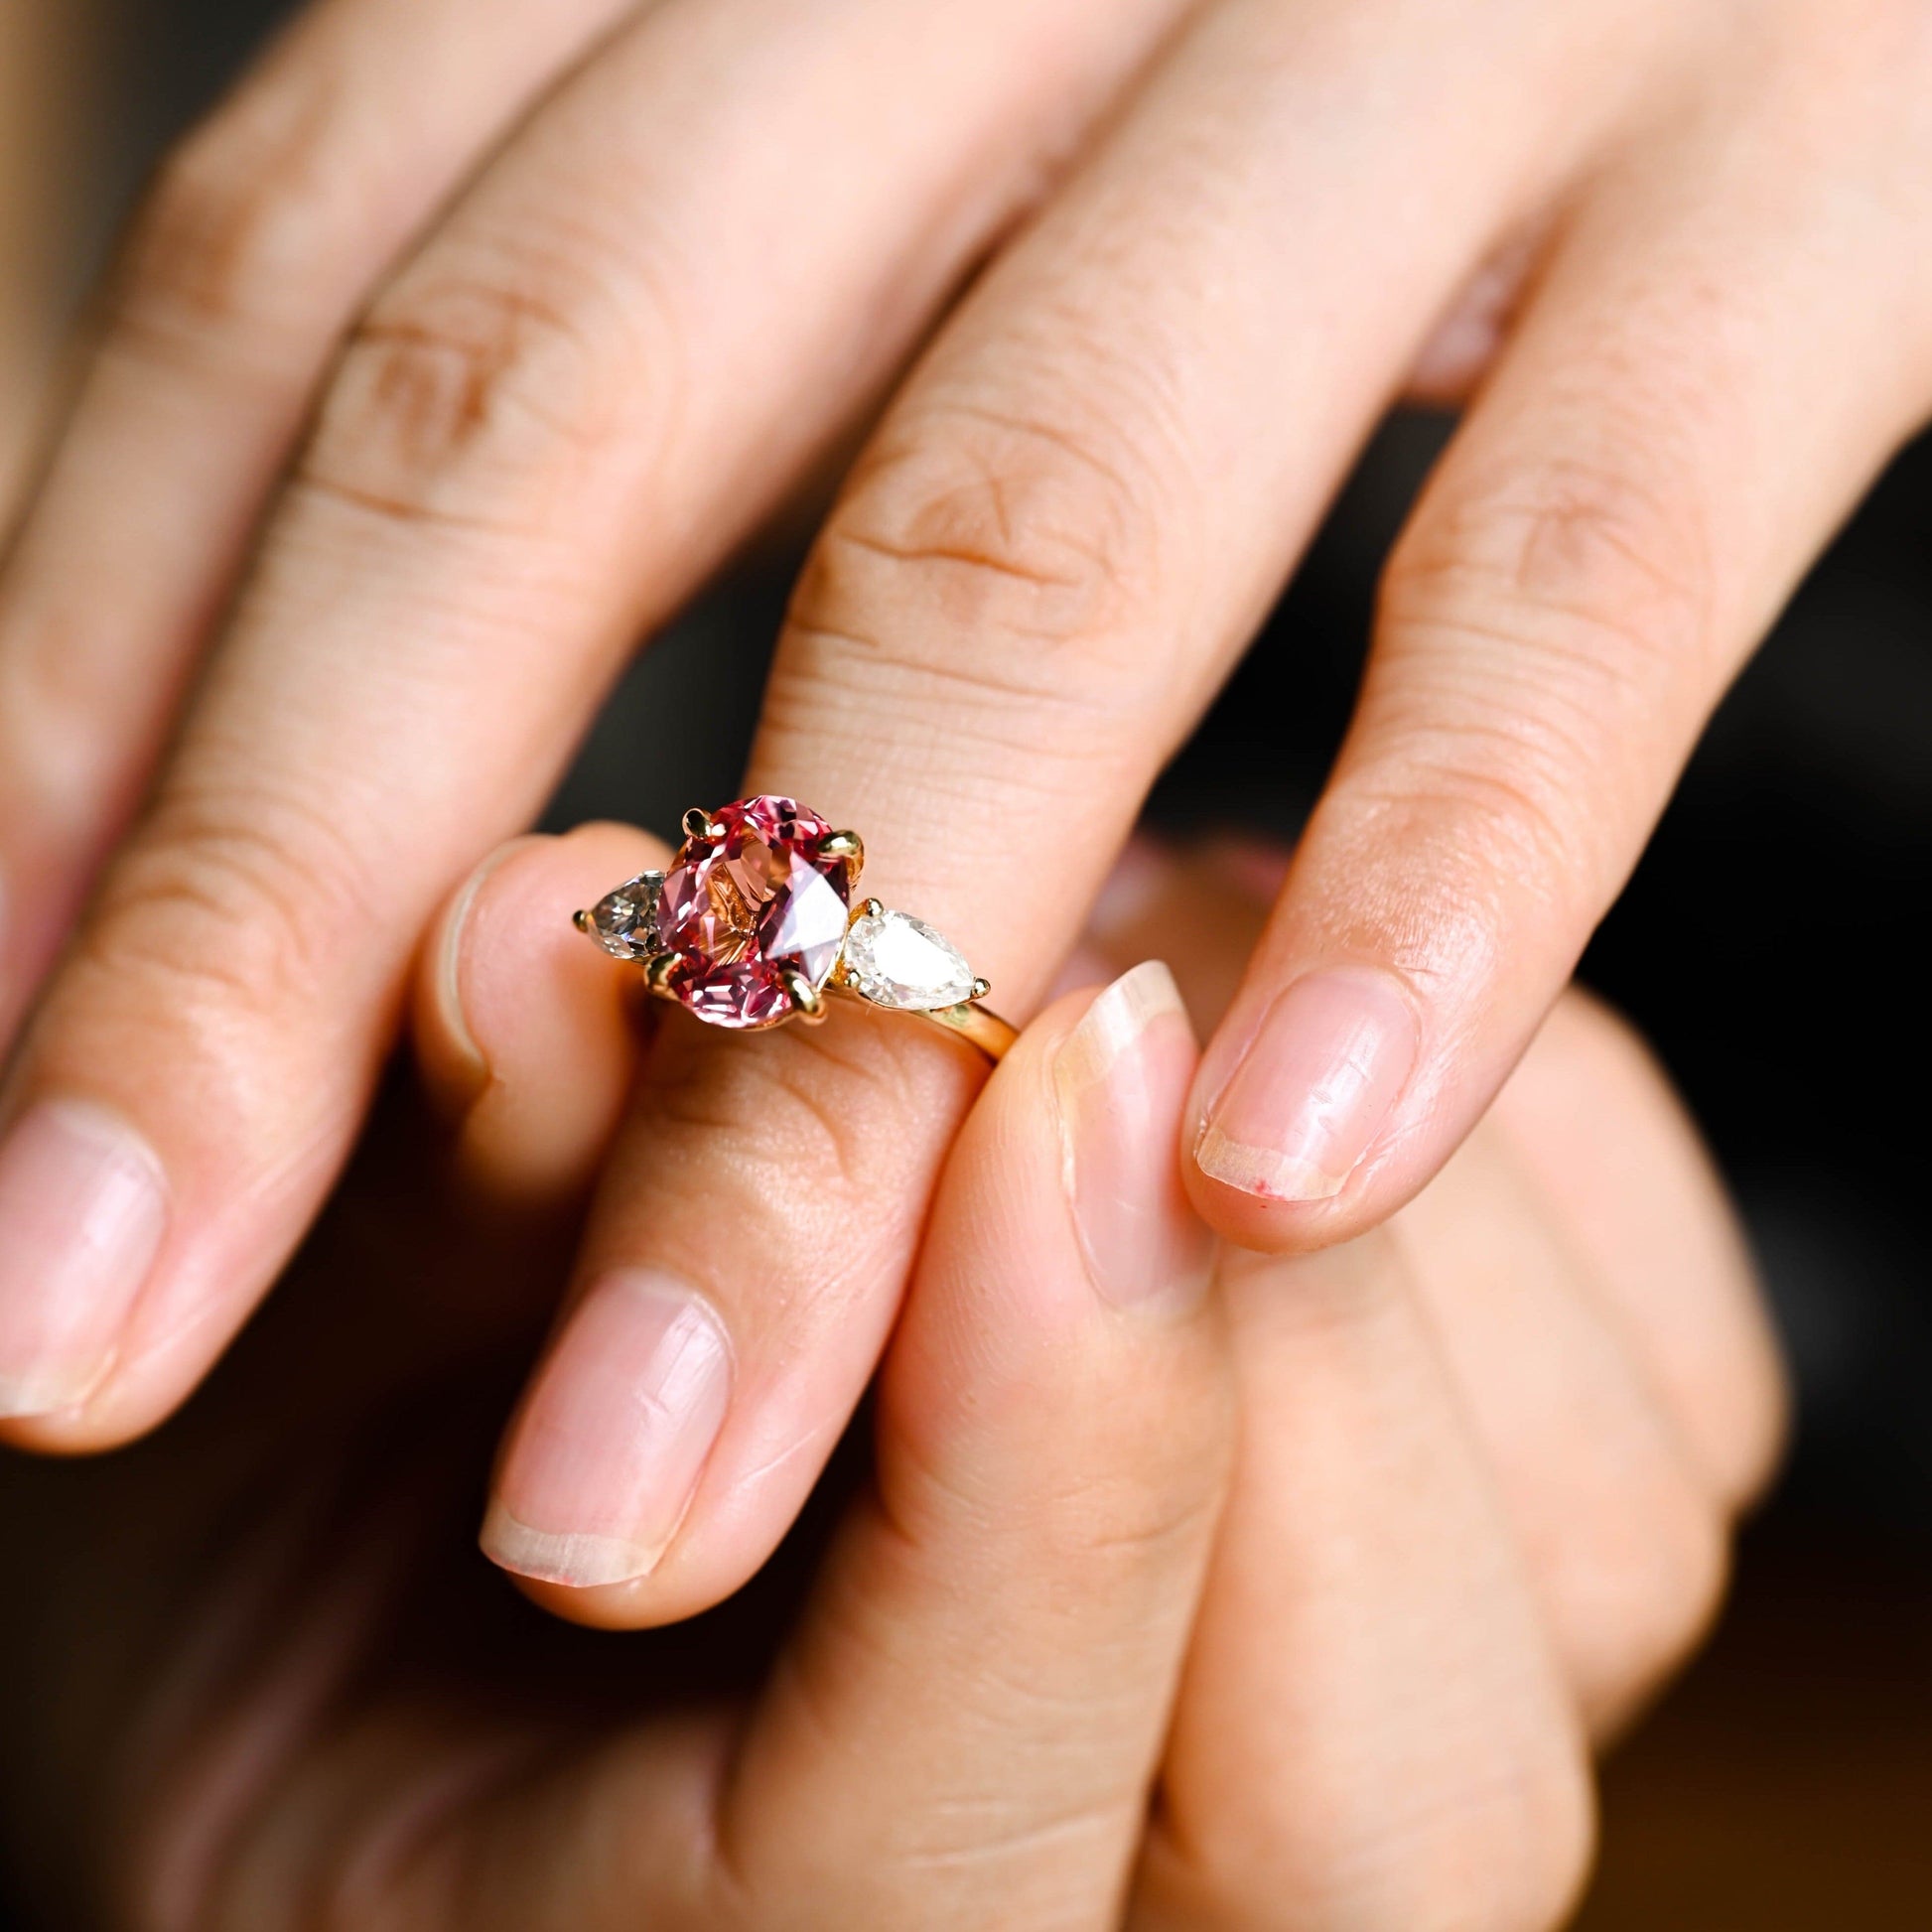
(980, 1024)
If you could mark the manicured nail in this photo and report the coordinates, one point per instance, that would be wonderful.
(1314, 1087)
(1121, 1078)
(608, 1449)
(84, 1206)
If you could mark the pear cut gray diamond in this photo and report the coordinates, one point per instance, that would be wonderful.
(625, 923)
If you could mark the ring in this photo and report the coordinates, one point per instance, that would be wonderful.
(754, 924)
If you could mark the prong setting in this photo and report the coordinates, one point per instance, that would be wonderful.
(699, 824)
(806, 1000)
(848, 845)
(657, 974)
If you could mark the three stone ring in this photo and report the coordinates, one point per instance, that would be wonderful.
(754, 924)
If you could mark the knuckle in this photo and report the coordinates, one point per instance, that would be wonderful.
(1533, 627)
(804, 1129)
(1142, 1520)
(987, 558)
(1142, 1488)
(243, 215)
(473, 378)
(229, 910)
(1115, 1516)
(1597, 560)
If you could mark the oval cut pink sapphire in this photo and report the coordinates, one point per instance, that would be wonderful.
(740, 909)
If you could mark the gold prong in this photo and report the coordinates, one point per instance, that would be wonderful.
(657, 973)
(806, 1000)
(699, 824)
(848, 845)
(873, 908)
(981, 988)
(581, 919)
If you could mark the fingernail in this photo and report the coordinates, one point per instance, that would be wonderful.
(466, 1072)
(609, 1446)
(1317, 1081)
(1121, 1078)
(83, 1209)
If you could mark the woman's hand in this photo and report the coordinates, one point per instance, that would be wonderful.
(568, 294)
(1298, 1605)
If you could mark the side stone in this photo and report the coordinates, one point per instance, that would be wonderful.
(895, 960)
(625, 923)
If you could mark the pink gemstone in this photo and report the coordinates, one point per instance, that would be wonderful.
(740, 909)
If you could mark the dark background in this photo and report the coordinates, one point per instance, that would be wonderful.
(1766, 945)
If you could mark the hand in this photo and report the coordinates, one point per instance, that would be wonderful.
(1483, 1466)
(578, 371)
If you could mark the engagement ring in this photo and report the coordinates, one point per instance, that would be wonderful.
(754, 924)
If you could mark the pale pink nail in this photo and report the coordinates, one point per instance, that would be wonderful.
(1314, 1088)
(83, 1209)
(610, 1446)
(1122, 1077)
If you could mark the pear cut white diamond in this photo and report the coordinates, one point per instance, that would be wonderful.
(895, 960)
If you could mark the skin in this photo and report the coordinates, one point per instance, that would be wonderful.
(419, 406)
(41, 67)
(1235, 1606)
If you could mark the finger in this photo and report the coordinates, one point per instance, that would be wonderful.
(1590, 1117)
(527, 1043)
(1625, 1544)
(998, 1636)
(580, 1508)
(1601, 546)
(267, 228)
(964, 1729)
(1583, 1275)
(1064, 529)
(1372, 1730)
(537, 444)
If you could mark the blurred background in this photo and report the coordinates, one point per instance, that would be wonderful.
(1787, 1781)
